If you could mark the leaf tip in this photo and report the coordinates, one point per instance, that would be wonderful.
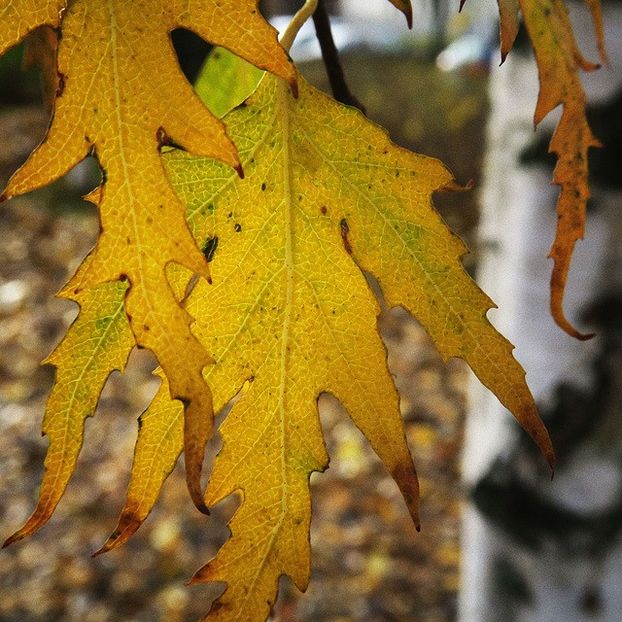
(544, 443)
(130, 520)
(95, 196)
(103, 549)
(557, 311)
(408, 14)
(454, 186)
(201, 506)
(32, 525)
(197, 431)
(582, 336)
(405, 477)
(114, 541)
(202, 575)
(551, 458)
(239, 170)
(11, 540)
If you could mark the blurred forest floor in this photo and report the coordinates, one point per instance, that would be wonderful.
(368, 563)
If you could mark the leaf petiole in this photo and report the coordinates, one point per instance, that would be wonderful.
(297, 22)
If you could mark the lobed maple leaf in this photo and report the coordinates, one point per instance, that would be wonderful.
(559, 60)
(108, 103)
(290, 315)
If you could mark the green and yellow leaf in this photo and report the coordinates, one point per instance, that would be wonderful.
(290, 315)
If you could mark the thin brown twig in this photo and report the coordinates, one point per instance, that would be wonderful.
(336, 77)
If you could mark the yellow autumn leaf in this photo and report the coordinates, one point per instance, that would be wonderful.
(559, 61)
(290, 315)
(121, 95)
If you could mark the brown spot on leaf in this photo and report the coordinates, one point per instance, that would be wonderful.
(345, 229)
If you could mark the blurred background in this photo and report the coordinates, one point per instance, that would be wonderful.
(499, 540)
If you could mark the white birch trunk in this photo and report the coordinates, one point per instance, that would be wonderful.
(535, 550)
